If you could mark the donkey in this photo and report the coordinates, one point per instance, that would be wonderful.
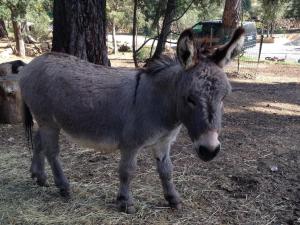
(114, 108)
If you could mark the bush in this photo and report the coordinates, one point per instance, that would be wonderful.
(41, 25)
(124, 48)
(144, 53)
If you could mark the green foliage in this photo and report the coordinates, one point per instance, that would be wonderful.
(272, 10)
(195, 15)
(41, 23)
(209, 9)
(246, 5)
(154, 11)
(144, 53)
(189, 19)
(4, 12)
(39, 12)
(200, 12)
(17, 8)
(247, 10)
(293, 9)
(119, 12)
(36, 11)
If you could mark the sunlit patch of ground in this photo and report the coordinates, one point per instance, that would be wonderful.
(276, 108)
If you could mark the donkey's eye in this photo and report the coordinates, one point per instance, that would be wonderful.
(191, 101)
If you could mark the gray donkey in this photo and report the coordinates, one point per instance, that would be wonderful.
(114, 108)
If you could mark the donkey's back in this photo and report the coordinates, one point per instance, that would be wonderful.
(94, 95)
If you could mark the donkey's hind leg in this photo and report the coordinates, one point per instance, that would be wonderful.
(37, 168)
(50, 137)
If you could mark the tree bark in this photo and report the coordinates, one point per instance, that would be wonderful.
(115, 47)
(20, 45)
(134, 33)
(3, 31)
(166, 28)
(231, 15)
(79, 28)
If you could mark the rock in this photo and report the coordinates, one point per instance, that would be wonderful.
(7, 52)
(11, 139)
(274, 168)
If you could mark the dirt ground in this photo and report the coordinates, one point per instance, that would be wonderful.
(254, 180)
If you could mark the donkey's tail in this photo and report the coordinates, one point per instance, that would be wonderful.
(28, 124)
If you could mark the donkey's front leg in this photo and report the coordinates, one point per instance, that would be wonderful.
(165, 168)
(127, 170)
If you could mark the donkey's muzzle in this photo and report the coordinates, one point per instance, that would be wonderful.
(207, 154)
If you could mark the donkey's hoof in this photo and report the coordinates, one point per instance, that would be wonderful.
(174, 202)
(65, 193)
(129, 209)
(177, 206)
(125, 204)
(41, 180)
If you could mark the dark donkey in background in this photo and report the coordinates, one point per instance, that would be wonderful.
(113, 108)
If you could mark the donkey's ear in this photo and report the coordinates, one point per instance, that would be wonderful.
(186, 49)
(223, 55)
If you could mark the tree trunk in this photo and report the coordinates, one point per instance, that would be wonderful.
(20, 45)
(134, 34)
(79, 28)
(272, 29)
(115, 47)
(3, 31)
(268, 29)
(161, 6)
(166, 28)
(231, 16)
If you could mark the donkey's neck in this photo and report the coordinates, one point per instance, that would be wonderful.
(157, 95)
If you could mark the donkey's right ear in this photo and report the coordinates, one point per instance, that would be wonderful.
(186, 49)
(224, 54)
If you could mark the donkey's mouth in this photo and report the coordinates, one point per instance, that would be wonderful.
(206, 154)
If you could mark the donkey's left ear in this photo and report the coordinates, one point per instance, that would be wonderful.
(186, 49)
(223, 55)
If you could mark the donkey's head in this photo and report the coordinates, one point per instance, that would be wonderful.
(202, 88)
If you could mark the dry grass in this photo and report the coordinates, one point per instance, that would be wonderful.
(261, 130)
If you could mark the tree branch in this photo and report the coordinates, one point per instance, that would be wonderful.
(154, 38)
(184, 12)
(146, 43)
(173, 20)
(171, 42)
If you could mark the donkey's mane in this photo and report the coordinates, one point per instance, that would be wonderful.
(153, 67)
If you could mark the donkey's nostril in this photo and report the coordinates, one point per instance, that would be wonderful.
(207, 154)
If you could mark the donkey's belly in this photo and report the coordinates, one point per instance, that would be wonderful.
(104, 146)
